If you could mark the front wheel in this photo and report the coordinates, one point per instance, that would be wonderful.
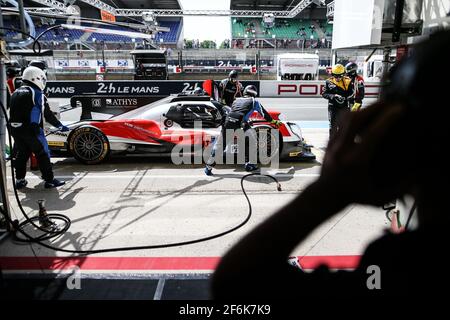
(89, 145)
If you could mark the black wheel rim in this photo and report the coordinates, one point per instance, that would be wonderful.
(267, 142)
(88, 146)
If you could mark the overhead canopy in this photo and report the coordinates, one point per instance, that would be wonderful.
(30, 53)
(127, 4)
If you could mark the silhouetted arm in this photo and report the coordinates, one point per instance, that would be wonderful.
(257, 265)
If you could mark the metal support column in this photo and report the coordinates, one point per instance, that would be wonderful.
(258, 63)
(22, 19)
(180, 60)
(386, 60)
(2, 32)
(3, 94)
(399, 6)
(3, 184)
(334, 57)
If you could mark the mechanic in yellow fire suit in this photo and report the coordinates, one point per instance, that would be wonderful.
(337, 91)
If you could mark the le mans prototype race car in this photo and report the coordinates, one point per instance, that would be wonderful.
(156, 128)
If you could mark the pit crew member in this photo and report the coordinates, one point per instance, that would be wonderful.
(337, 91)
(27, 111)
(13, 80)
(238, 118)
(355, 101)
(230, 88)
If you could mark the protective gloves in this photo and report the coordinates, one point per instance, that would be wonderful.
(63, 128)
(356, 107)
(339, 99)
(277, 123)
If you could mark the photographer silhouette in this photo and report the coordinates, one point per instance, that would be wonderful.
(382, 153)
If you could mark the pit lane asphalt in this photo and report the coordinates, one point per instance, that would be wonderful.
(301, 109)
(133, 201)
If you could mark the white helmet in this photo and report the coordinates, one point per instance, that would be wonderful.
(36, 76)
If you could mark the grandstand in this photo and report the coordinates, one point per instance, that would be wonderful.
(283, 29)
(57, 36)
(308, 31)
(65, 35)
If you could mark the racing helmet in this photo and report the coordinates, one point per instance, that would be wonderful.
(233, 75)
(198, 92)
(41, 64)
(351, 68)
(250, 90)
(35, 76)
(338, 70)
(12, 69)
(12, 72)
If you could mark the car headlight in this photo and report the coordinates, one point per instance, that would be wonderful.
(295, 130)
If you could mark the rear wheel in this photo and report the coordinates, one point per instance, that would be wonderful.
(89, 145)
(269, 142)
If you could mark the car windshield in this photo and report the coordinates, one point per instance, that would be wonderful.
(137, 113)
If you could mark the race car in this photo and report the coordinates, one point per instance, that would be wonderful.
(157, 128)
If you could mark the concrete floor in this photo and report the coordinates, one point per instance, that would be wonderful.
(133, 201)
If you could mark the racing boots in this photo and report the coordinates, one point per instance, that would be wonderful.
(21, 183)
(208, 171)
(249, 167)
(54, 183)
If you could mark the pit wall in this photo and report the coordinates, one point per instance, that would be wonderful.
(266, 88)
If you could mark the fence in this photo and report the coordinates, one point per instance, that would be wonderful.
(84, 64)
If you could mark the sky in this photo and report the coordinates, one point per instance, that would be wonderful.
(206, 28)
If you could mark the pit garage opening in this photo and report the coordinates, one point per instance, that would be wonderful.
(123, 190)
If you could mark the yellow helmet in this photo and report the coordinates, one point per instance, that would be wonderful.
(338, 70)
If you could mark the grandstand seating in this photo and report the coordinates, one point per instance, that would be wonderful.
(59, 35)
(284, 29)
(173, 34)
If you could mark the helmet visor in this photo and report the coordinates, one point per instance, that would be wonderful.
(43, 80)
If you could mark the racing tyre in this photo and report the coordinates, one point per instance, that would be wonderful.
(269, 142)
(89, 145)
